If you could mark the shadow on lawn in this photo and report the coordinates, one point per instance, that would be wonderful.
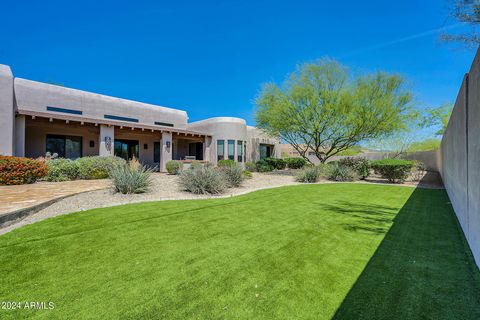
(423, 268)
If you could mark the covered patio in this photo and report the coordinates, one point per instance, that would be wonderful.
(72, 137)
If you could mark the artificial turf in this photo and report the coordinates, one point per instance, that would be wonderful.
(343, 251)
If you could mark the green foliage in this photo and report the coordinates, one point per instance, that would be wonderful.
(247, 174)
(360, 165)
(321, 108)
(129, 179)
(425, 145)
(202, 180)
(250, 166)
(97, 167)
(174, 166)
(353, 151)
(264, 166)
(309, 175)
(225, 163)
(278, 164)
(337, 172)
(295, 163)
(438, 117)
(61, 169)
(395, 170)
(233, 174)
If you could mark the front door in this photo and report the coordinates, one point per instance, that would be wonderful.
(126, 149)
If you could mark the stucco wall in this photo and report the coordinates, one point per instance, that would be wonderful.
(460, 157)
(7, 111)
(36, 96)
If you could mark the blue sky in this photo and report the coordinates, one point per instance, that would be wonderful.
(210, 57)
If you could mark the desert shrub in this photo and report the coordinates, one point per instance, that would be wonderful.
(250, 166)
(232, 174)
(418, 170)
(61, 169)
(278, 164)
(225, 163)
(131, 178)
(16, 170)
(202, 180)
(97, 167)
(247, 174)
(264, 166)
(174, 166)
(337, 172)
(395, 170)
(309, 175)
(360, 165)
(295, 163)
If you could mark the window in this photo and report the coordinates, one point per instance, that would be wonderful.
(109, 116)
(220, 149)
(231, 149)
(239, 151)
(64, 110)
(165, 124)
(65, 146)
(265, 151)
(244, 151)
(156, 152)
(126, 149)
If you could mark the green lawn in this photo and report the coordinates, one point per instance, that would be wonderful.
(343, 251)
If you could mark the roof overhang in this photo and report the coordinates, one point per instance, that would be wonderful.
(73, 118)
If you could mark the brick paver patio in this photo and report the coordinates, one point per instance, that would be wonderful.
(13, 198)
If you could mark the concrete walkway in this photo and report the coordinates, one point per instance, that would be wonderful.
(17, 198)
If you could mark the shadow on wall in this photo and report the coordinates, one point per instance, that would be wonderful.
(423, 268)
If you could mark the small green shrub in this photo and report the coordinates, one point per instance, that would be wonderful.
(247, 174)
(129, 179)
(309, 175)
(395, 170)
(278, 164)
(360, 165)
(250, 166)
(61, 169)
(202, 180)
(295, 163)
(225, 163)
(337, 172)
(97, 167)
(16, 170)
(264, 166)
(233, 174)
(174, 166)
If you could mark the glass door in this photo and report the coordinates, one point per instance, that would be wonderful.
(126, 149)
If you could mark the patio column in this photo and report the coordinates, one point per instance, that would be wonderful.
(165, 150)
(207, 146)
(107, 138)
(20, 136)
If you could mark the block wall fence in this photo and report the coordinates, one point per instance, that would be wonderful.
(459, 157)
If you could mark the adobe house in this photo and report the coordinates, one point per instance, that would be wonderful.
(36, 118)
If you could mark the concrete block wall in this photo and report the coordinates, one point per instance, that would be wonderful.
(460, 157)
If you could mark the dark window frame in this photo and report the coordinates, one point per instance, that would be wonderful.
(120, 118)
(64, 110)
(220, 155)
(64, 138)
(231, 156)
(165, 124)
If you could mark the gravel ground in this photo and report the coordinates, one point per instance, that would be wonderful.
(165, 187)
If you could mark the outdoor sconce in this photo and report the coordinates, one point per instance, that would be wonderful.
(168, 145)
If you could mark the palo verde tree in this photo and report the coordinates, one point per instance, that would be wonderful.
(320, 108)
